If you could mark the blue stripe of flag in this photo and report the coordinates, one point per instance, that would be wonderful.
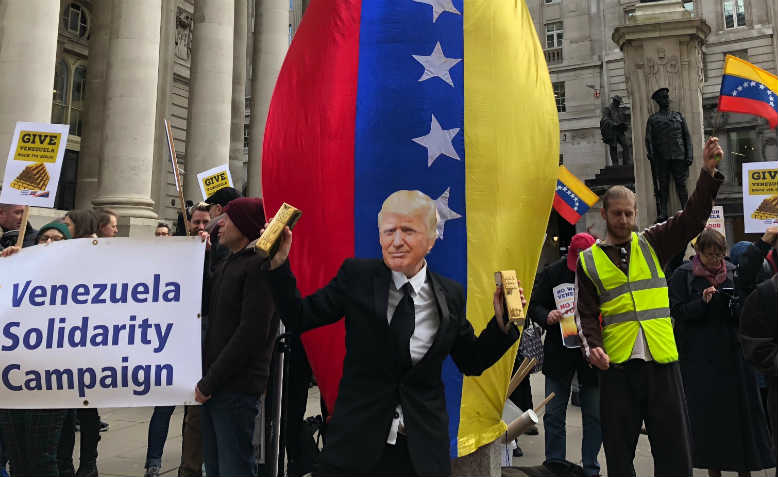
(570, 198)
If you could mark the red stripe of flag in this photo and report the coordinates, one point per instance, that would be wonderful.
(564, 209)
(732, 104)
(311, 124)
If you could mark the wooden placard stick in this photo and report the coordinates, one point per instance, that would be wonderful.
(516, 379)
(545, 401)
(23, 227)
(176, 173)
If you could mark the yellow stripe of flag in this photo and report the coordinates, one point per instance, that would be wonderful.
(577, 186)
(736, 67)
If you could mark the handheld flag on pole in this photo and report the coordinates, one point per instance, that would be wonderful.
(451, 98)
(748, 89)
(572, 198)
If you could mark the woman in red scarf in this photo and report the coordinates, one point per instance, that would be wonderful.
(728, 424)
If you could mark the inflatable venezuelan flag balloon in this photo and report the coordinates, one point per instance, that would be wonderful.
(451, 97)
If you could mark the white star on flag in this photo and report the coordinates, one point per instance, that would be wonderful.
(438, 142)
(444, 213)
(753, 83)
(734, 93)
(740, 88)
(439, 6)
(761, 86)
(745, 85)
(437, 65)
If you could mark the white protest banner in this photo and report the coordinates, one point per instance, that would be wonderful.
(564, 296)
(716, 220)
(34, 163)
(101, 323)
(214, 179)
(760, 196)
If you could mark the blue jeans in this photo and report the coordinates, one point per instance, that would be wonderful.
(227, 426)
(556, 415)
(158, 428)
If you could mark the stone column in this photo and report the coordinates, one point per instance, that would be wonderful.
(271, 40)
(662, 48)
(238, 93)
(210, 91)
(89, 158)
(28, 53)
(130, 105)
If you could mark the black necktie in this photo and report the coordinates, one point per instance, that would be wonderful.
(402, 326)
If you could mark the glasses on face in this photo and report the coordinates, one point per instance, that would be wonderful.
(50, 238)
(713, 255)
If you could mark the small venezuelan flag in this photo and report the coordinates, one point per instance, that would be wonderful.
(748, 89)
(572, 198)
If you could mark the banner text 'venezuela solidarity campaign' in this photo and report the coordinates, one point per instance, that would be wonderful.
(78, 334)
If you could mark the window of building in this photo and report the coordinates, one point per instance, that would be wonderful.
(75, 20)
(246, 128)
(554, 34)
(60, 102)
(734, 13)
(77, 100)
(69, 98)
(741, 147)
(689, 6)
(550, 1)
(559, 95)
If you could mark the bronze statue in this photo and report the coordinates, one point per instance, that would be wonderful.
(613, 127)
(669, 150)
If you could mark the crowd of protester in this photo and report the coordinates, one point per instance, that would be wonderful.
(691, 360)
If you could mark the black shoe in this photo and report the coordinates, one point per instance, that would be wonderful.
(87, 470)
(103, 426)
(66, 469)
(517, 452)
(575, 399)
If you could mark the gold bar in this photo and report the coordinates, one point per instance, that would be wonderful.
(510, 289)
(267, 244)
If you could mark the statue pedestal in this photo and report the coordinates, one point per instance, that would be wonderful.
(662, 48)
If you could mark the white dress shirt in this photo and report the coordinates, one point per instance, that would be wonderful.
(426, 327)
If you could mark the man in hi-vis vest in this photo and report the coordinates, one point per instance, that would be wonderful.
(621, 279)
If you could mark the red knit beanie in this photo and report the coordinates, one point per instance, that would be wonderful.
(248, 215)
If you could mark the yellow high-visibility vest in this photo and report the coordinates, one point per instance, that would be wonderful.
(628, 303)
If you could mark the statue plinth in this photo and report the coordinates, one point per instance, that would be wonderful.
(662, 48)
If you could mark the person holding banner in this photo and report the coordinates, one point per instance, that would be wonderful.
(11, 221)
(561, 363)
(621, 280)
(82, 223)
(241, 329)
(31, 436)
(402, 322)
(107, 221)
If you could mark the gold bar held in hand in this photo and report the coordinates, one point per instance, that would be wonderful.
(510, 290)
(267, 244)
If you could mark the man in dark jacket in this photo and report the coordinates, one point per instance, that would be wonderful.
(10, 222)
(402, 321)
(561, 363)
(240, 332)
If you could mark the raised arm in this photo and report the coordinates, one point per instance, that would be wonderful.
(670, 238)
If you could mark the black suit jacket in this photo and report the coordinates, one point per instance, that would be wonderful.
(373, 382)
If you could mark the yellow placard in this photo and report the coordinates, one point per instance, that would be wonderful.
(37, 146)
(215, 182)
(763, 181)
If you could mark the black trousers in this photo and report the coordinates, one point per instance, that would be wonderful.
(680, 172)
(30, 437)
(395, 460)
(635, 392)
(89, 420)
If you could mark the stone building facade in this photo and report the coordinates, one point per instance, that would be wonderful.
(587, 69)
(119, 68)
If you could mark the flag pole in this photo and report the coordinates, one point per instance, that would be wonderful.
(177, 174)
(23, 227)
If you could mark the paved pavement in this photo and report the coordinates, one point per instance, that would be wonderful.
(123, 448)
